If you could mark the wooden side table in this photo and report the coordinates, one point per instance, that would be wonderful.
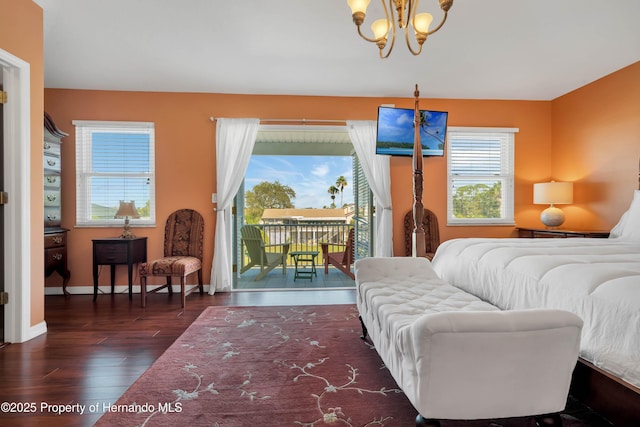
(117, 251)
(551, 232)
(305, 264)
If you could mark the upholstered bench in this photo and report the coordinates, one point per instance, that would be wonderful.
(458, 357)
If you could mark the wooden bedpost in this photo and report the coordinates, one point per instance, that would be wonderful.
(418, 241)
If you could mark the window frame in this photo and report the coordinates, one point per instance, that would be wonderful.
(506, 175)
(84, 130)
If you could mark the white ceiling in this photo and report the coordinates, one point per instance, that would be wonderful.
(488, 49)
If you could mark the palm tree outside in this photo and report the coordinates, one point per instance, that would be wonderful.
(333, 190)
(341, 182)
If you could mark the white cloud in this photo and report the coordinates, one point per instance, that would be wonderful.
(320, 170)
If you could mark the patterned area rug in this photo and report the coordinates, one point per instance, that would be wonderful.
(266, 366)
(271, 366)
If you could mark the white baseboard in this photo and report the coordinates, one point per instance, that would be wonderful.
(119, 289)
(37, 330)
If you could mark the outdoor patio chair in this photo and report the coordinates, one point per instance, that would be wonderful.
(341, 260)
(183, 236)
(256, 248)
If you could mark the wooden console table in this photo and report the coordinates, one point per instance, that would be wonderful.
(117, 251)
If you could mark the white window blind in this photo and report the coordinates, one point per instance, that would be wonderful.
(114, 161)
(480, 170)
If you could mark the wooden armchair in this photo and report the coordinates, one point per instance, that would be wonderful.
(340, 260)
(431, 232)
(258, 256)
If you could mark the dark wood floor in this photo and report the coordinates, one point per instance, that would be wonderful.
(93, 352)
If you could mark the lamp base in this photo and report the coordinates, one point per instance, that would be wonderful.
(126, 231)
(552, 217)
(126, 234)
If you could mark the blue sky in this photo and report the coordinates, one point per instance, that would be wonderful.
(118, 153)
(309, 176)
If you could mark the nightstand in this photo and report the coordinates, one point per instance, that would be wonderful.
(560, 233)
(117, 251)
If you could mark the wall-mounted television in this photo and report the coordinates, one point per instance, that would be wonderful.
(395, 132)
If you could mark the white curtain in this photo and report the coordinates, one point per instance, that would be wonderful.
(235, 139)
(378, 172)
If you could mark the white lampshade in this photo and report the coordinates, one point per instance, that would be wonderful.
(422, 21)
(552, 193)
(127, 210)
(358, 5)
(380, 28)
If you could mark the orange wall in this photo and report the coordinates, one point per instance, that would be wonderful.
(185, 154)
(21, 35)
(532, 163)
(596, 143)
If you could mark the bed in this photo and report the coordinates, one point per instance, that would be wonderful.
(597, 279)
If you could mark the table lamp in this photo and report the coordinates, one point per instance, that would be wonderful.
(127, 210)
(552, 193)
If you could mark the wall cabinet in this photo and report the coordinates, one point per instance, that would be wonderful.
(55, 237)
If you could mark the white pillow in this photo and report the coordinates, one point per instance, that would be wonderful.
(628, 228)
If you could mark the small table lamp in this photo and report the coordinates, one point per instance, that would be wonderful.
(127, 210)
(552, 193)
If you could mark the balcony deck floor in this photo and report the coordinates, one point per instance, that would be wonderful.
(335, 279)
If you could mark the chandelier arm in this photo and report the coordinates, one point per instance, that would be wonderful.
(393, 42)
(406, 38)
(413, 6)
(392, 29)
(386, 9)
(389, 23)
(367, 38)
(444, 18)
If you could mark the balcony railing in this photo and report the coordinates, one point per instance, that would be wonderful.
(302, 237)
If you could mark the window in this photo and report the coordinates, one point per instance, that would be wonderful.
(114, 161)
(480, 176)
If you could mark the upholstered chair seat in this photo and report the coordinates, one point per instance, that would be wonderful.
(171, 266)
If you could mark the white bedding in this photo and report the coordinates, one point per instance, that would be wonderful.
(597, 279)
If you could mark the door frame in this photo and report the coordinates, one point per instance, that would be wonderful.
(271, 146)
(16, 76)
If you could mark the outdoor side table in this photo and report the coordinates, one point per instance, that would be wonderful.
(305, 264)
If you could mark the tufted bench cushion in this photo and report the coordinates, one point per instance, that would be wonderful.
(458, 357)
(392, 293)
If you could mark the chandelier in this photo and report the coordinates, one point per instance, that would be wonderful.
(405, 14)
